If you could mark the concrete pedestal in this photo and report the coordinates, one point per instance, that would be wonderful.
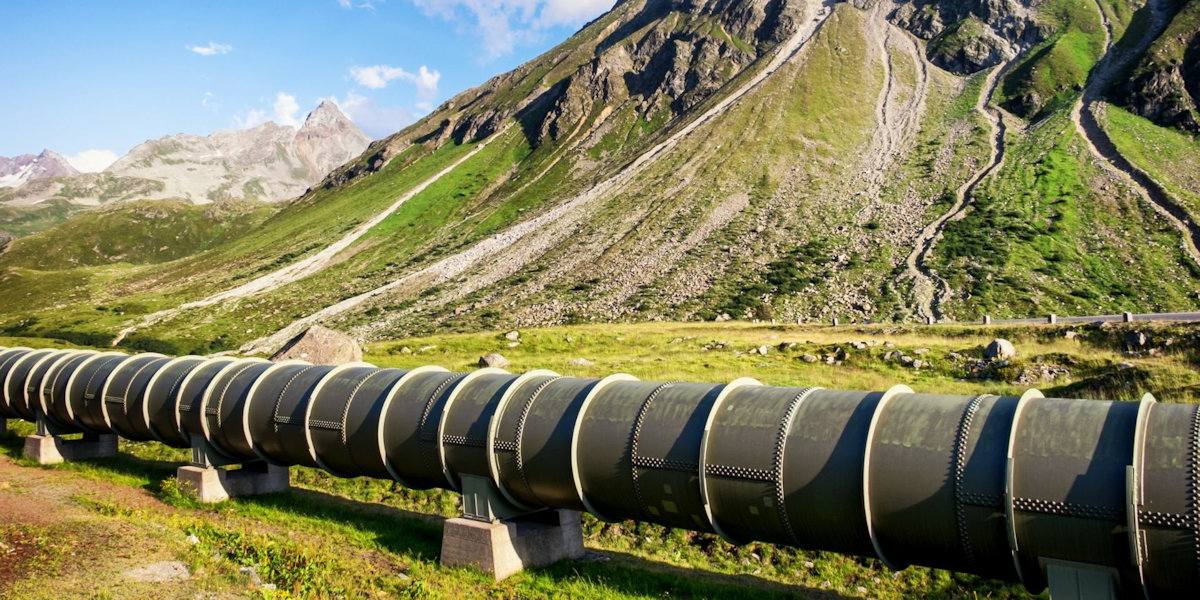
(215, 484)
(52, 449)
(504, 548)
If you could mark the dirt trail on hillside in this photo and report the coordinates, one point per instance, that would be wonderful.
(930, 291)
(307, 266)
(1087, 123)
(451, 266)
(897, 118)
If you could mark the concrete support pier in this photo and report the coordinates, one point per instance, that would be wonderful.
(504, 548)
(216, 484)
(54, 449)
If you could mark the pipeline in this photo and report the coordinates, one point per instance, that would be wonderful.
(1003, 487)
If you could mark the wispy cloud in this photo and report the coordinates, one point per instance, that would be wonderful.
(503, 24)
(375, 120)
(286, 112)
(207, 102)
(92, 161)
(367, 4)
(378, 76)
(212, 49)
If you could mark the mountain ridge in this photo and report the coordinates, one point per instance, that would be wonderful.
(665, 168)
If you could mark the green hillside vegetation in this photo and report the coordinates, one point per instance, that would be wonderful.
(21, 220)
(1052, 74)
(146, 232)
(1046, 237)
(371, 538)
(1171, 157)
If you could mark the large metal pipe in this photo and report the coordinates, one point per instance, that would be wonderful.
(1004, 487)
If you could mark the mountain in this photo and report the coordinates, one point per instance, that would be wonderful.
(269, 163)
(705, 159)
(27, 167)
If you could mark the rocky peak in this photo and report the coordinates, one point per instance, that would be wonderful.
(22, 169)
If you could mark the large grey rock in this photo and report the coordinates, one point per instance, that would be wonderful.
(1000, 349)
(321, 346)
(1135, 340)
(494, 361)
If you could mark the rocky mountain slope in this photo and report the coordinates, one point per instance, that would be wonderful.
(268, 163)
(19, 170)
(770, 159)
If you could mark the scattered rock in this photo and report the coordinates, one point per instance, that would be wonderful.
(1125, 365)
(514, 344)
(919, 364)
(888, 345)
(424, 349)
(494, 361)
(1135, 340)
(320, 346)
(405, 350)
(785, 346)
(763, 350)
(252, 574)
(920, 351)
(955, 356)
(808, 358)
(581, 362)
(1070, 335)
(512, 336)
(889, 355)
(1041, 373)
(171, 570)
(859, 345)
(908, 360)
(192, 539)
(999, 349)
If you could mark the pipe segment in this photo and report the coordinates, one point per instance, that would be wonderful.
(1002, 487)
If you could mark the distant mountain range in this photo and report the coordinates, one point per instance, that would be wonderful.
(268, 163)
(19, 170)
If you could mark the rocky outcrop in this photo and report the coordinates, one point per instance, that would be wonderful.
(1164, 84)
(321, 346)
(967, 36)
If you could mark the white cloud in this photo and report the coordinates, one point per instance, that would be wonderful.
(92, 161)
(375, 120)
(367, 4)
(502, 24)
(286, 112)
(378, 76)
(212, 49)
(207, 102)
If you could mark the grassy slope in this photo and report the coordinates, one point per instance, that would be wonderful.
(1052, 234)
(330, 535)
(1051, 75)
(1171, 157)
(136, 233)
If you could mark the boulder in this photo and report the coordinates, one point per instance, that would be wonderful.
(321, 346)
(1000, 349)
(581, 362)
(1135, 340)
(512, 336)
(494, 361)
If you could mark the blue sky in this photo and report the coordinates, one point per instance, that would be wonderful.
(92, 79)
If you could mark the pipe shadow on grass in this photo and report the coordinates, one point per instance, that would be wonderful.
(637, 576)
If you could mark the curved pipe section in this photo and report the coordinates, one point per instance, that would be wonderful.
(1002, 487)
